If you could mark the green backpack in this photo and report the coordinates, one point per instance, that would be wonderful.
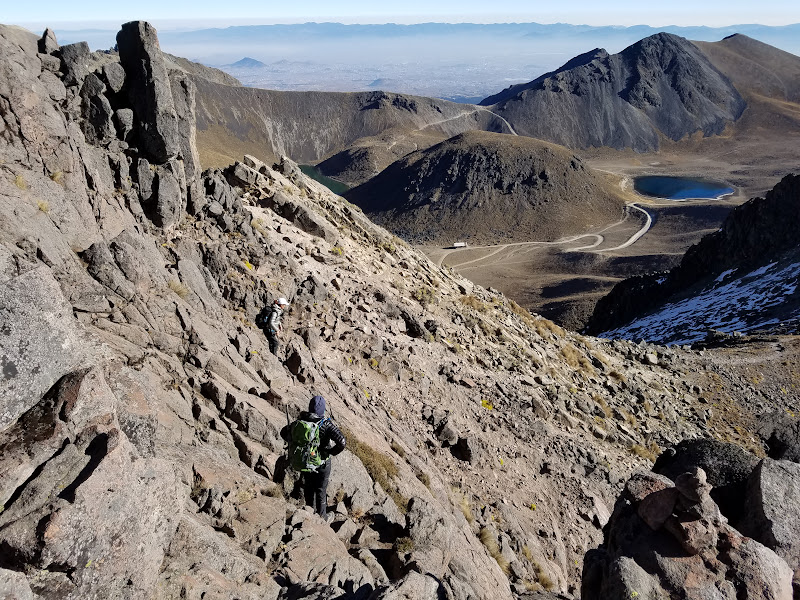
(304, 452)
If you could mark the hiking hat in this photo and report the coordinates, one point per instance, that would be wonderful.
(282, 301)
(317, 406)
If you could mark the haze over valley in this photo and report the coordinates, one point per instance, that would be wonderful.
(462, 62)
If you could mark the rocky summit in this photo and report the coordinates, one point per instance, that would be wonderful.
(662, 85)
(490, 454)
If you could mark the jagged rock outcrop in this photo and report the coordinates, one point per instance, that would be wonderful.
(727, 466)
(759, 233)
(484, 187)
(149, 91)
(661, 85)
(668, 538)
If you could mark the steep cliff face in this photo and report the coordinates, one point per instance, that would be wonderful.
(662, 85)
(140, 406)
(739, 278)
(484, 187)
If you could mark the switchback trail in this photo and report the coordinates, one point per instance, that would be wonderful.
(599, 239)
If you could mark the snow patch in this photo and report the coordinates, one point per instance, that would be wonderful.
(738, 305)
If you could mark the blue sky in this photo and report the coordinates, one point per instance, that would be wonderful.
(193, 13)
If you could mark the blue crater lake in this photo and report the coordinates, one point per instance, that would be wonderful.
(337, 187)
(679, 188)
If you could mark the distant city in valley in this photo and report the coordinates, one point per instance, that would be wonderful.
(462, 62)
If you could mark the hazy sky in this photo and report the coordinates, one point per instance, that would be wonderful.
(193, 13)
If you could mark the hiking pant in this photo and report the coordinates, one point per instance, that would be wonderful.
(315, 488)
(272, 338)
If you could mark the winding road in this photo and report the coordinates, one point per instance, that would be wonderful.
(467, 113)
(594, 247)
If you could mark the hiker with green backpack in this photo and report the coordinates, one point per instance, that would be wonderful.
(313, 439)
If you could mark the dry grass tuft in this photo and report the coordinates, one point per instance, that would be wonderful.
(643, 452)
(617, 376)
(601, 402)
(404, 545)
(473, 302)
(398, 449)
(542, 577)
(423, 295)
(43, 205)
(58, 177)
(380, 467)
(260, 226)
(176, 286)
(577, 360)
(466, 510)
(489, 540)
(628, 417)
(425, 479)
(20, 182)
(545, 328)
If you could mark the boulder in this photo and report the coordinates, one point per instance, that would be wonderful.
(772, 514)
(168, 205)
(303, 217)
(315, 553)
(350, 479)
(75, 62)
(183, 96)
(114, 75)
(48, 44)
(202, 563)
(413, 585)
(727, 466)
(95, 492)
(781, 434)
(98, 124)
(149, 91)
(41, 341)
(123, 118)
(695, 551)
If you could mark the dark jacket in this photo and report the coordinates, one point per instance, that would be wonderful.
(331, 440)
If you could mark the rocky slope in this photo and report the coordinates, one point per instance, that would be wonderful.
(740, 278)
(139, 405)
(661, 86)
(310, 126)
(486, 187)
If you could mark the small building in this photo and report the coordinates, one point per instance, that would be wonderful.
(460, 245)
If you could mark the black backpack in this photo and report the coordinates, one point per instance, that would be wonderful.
(263, 317)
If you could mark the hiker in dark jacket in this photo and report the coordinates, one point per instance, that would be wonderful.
(273, 325)
(331, 443)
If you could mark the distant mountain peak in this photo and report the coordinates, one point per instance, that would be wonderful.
(248, 63)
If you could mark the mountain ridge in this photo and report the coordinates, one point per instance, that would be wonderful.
(661, 85)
